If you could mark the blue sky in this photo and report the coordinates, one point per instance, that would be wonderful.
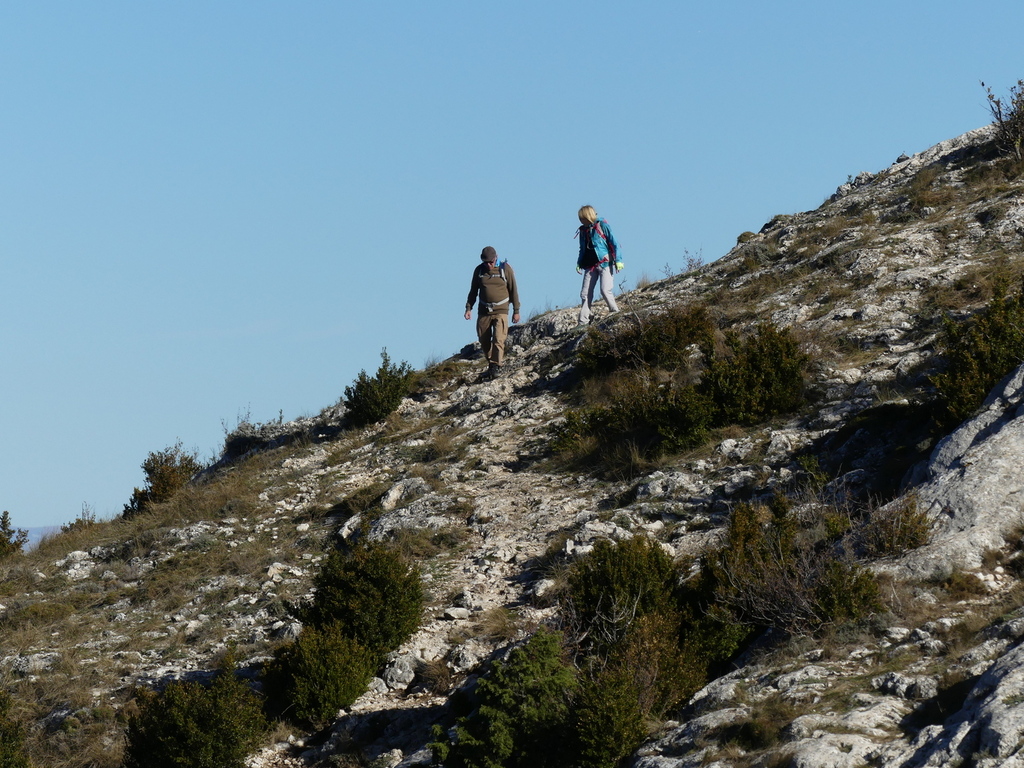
(211, 210)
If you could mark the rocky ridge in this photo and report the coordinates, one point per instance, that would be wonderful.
(864, 279)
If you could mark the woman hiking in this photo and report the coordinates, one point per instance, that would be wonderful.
(598, 261)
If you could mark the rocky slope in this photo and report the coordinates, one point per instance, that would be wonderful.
(466, 484)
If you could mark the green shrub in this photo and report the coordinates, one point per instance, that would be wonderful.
(662, 672)
(12, 737)
(979, 353)
(190, 725)
(648, 412)
(643, 418)
(961, 585)
(772, 574)
(371, 400)
(845, 591)
(371, 593)
(12, 540)
(754, 255)
(614, 585)
(167, 472)
(895, 529)
(609, 722)
(524, 712)
(759, 377)
(323, 671)
(664, 340)
(711, 634)
(1009, 119)
(367, 602)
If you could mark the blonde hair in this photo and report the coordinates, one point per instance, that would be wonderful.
(587, 214)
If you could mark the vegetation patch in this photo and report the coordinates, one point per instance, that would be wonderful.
(978, 353)
(665, 340)
(12, 737)
(188, 724)
(167, 472)
(615, 585)
(1008, 114)
(371, 592)
(370, 400)
(323, 671)
(895, 529)
(367, 602)
(652, 401)
(776, 573)
(521, 712)
(12, 540)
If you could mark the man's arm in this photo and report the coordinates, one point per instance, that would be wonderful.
(474, 288)
(513, 292)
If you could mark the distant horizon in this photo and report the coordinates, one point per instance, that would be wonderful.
(36, 535)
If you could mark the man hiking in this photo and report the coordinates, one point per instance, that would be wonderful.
(496, 286)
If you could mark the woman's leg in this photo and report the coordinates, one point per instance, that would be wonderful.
(607, 286)
(587, 295)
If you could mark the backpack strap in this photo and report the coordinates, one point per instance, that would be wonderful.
(484, 269)
(612, 250)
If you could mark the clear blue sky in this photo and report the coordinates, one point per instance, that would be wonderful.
(212, 209)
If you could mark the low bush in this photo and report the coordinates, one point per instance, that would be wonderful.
(12, 540)
(367, 602)
(926, 191)
(523, 712)
(771, 573)
(167, 472)
(361, 500)
(961, 585)
(754, 255)
(371, 593)
(1008, 116)
(845, 591)
(759, 376)
(621, 610)
(86, 519)
(613, 586)
(371, 400)
(764, 727)
(608, 719)
(41, 614)
(323, 671)
(662, 671)
(665, 340)
(622, 605)
(895, 529)
(645, 412)
(191, 725)
(643, 418)
(978, 353)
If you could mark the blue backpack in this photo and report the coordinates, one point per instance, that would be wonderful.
(592, 232)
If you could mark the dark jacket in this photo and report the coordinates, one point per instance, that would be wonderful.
(496, 286)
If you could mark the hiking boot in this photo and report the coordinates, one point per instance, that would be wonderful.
(493, 371)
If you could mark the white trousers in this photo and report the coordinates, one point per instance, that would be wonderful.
(591, 277)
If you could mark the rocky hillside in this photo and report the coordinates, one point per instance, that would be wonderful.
(463, 480)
